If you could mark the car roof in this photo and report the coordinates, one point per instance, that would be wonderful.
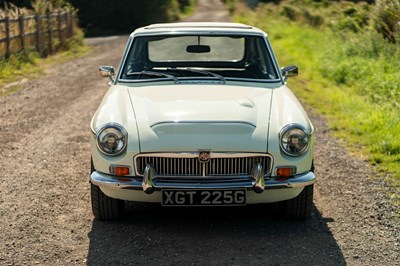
(198, 27)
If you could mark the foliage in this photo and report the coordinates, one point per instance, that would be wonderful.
(16, 62)
(353, 17)
(230, 4)
(387, 19)
(340, 15)
(303, 14)
(185, 3)
(30, 4)
(102, 17)
(352, 78)
(27, 64)
(12, 11)
(356, 15)
(29, 25)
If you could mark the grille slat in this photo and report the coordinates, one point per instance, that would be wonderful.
(191, 166)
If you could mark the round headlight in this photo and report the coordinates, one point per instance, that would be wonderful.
(294, 140)
(112, 139)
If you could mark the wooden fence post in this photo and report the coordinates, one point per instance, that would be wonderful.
(8, 40)
(59, 28)
(67, 24)
(38, 34)
(70, 23)
(21, 30)
(49, 33)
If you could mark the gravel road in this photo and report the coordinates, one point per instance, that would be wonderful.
(45, 199)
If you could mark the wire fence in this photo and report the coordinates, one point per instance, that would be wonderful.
(43, 33)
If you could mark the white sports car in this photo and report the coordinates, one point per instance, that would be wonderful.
(199, 114)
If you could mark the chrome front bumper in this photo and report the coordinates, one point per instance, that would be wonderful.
(149, 183)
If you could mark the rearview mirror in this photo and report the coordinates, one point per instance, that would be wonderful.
(198, 49)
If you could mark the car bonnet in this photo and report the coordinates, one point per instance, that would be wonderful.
(201, 116)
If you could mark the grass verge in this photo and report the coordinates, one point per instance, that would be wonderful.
(28, 65)
(349, 78)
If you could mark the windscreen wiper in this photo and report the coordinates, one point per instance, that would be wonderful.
(152, 73)
(206, 73)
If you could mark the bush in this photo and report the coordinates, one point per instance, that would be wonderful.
(291, 12)
(354, 17)
(387, 19)
(303, 14)
(312, 19)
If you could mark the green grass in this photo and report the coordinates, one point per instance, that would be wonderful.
(352, 79)
(17, 65)
(29, 64)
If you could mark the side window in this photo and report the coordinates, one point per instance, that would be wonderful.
(261, 57)
(265, 61)
(136, 59)
(259, 63)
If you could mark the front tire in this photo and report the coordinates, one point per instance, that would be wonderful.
(300, 207)
(104, 207)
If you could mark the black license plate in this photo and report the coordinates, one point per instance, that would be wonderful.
(210, 197)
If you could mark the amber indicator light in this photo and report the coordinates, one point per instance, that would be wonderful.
(286, 171)
(121, 171)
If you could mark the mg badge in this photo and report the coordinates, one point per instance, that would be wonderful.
(204, 156)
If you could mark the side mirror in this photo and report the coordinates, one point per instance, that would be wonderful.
(107, 71)
(289, 71)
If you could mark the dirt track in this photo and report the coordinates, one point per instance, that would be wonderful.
(45, 202)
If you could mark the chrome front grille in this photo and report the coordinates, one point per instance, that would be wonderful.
(167, 166)
(235, 166)
(188, 164)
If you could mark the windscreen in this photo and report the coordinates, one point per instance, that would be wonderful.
(197, 48)
(199, 56)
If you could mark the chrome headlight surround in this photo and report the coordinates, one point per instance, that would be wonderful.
(112, 139)
(294, 140)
